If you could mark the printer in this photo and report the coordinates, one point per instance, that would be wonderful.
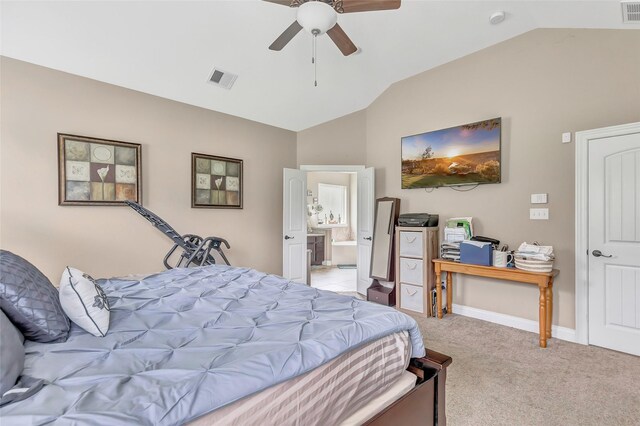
(418, 219)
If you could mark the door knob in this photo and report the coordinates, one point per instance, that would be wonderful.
(598, 253)
(368, 238)
(286, 237)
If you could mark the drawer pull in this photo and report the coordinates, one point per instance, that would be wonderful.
(410, 292)
(409, 239)
(411, 266)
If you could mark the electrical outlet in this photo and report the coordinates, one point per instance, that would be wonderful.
(539, 214)
(538, 198)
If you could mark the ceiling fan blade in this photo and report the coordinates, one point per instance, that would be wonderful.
(350, 6)
(286, 36)
(282, 2)
(342, 40)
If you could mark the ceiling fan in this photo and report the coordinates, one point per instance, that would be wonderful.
(320, 16)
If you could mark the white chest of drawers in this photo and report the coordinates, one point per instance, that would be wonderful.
(415, 276)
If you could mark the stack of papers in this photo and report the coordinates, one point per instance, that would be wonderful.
(455, 235)
(450, 251)
(458, 229)
(535, 252)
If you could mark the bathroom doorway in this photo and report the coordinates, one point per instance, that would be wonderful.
(332, 226)
(328, 226)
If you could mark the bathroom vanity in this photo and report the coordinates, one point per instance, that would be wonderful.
(316, 243)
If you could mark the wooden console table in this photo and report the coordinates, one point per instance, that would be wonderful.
(544, 281)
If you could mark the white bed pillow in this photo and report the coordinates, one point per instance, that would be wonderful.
(84, 302)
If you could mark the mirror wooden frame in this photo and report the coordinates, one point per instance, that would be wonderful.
(393, 220)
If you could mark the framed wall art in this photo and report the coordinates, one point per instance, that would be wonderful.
(216, 182)
(94, 171)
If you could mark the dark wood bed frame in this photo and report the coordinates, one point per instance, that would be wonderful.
(423, 405)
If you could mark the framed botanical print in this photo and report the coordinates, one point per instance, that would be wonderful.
(94, 171)
(216, 182)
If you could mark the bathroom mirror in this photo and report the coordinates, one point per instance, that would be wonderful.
(386, 216)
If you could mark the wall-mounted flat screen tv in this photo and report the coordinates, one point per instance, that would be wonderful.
(462, 155)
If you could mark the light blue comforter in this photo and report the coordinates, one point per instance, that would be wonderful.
(187, 341)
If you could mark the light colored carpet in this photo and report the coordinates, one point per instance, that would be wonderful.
(500, 376)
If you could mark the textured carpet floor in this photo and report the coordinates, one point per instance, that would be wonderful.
(500, 376)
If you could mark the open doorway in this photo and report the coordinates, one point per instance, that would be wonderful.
(332, 217)
(330, 222)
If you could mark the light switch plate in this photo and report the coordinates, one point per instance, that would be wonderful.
(539, 214)
(566, 137)
(538, 198)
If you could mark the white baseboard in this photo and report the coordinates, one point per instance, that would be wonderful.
(562, 333)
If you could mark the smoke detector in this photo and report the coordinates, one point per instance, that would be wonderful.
(223, 79)
(630, 12)
(497, 18)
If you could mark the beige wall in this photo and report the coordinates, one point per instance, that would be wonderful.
(542, 84)
(105, 241)
(339, 233)
(340, 142)
(332, 178)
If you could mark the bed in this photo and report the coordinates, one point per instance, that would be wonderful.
(227, 345)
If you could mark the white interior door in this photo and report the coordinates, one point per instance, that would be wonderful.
(294, 228)
(614, 242)
(366, 206)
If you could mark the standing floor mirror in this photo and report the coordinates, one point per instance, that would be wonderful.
(386, 217)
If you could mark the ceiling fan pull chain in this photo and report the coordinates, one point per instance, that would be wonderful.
(315, 61)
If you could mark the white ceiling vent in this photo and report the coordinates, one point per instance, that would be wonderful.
(631, 12)
(222, 78)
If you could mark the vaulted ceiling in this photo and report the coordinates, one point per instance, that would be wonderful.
(169, 48)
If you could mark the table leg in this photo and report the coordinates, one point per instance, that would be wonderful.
(438, 294)
(549, 307)
(542, 317)
(449, 293)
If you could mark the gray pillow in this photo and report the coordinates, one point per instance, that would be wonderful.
(30, 301)
(11, 354)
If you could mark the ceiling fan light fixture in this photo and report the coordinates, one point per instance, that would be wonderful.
(316, 17)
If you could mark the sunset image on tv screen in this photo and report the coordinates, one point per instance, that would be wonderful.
(462, 155)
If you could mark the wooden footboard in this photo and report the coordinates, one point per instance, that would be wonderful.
(425, 403)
